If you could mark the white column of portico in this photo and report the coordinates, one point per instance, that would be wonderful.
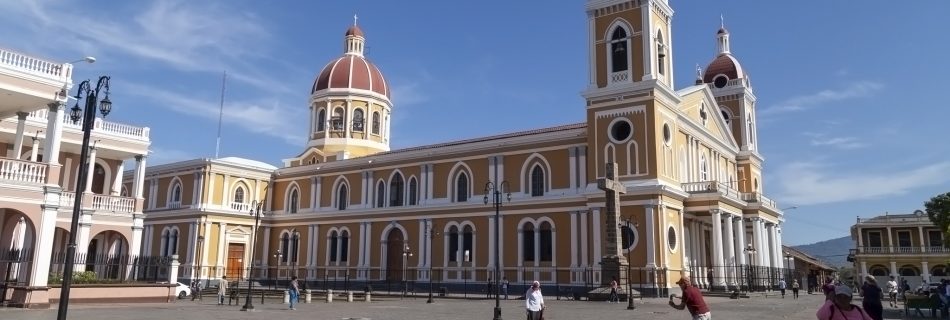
(54, 133)
(82, 235)
(864, 268)
(35, 149)
(740, 241)
(222, 246)
(650, 236)
(718, 263)
(925, 271)
(894, 269)
(46, 228)
(90, 169)
(770, 243)
(139, 182)
(778, 246)
(703, 261)
(117, 183)
(730, 250)
(20, 127)
(757, 242)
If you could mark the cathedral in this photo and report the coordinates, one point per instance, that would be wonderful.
(526, 204)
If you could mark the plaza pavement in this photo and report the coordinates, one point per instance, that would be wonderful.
(416, 308)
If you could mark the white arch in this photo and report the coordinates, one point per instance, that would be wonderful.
(341, 180)
(526, 168)
(390, 226)
(408, 188)
(165, 247)
(460, 166)
(390, 183)
(106, 177)
(171, 190)
(380, 195)
(610, 155)
(634, 149)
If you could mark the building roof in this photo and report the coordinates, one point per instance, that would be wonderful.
(246, 163)
(490, 138)
(800, 255)
(724, 64)
(351, 72)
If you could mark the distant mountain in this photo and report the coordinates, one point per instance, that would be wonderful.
(833, 252)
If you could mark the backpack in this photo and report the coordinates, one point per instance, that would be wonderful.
(833, 308)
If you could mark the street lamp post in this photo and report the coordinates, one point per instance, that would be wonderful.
(88, 117)
(201, 240)
(496, 190)
(256, 212)
(788, 261)
(431, 236)
(278, 255)
(634, 224)
(406, 253)
(750, 250)
(295, 244)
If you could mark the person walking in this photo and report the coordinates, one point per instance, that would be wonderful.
(839, 307)
(782, 286)
(294, 291)
(504, 286)
(795, 286)
(691, 300)
(873, 295)
(534, 301)
(222, 289)
(613, 291)
(828, 288)
(892, 292)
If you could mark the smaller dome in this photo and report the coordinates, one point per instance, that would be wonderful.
(354, 31)
(724, 64)
(351, 72)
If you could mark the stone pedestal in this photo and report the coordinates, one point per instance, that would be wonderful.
(614, 267)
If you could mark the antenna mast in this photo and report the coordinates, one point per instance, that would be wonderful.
(217, 145)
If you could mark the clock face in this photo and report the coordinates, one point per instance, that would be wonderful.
(720, 81)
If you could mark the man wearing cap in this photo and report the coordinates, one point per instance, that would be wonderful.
(691, 300)
(840, 307)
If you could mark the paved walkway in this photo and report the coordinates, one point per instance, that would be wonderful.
(395, 308)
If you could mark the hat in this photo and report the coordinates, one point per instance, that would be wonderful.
(870, 279)
(683, 279)
(842, 289)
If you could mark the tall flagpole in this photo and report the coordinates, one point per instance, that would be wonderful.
(217, 145)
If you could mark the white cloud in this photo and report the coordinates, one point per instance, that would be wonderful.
(809, 183)
(803, 102)
(274, 121)
(838, 142)
(407, 93)
(159, 155)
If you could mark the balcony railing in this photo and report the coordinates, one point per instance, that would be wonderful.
(21, 171)
(712, 187)
(900, 250)
(59, 72)
(108, 127)
(760, 198)
(243, 207)
(99, 202)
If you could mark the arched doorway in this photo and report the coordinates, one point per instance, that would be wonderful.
(107, 255)
(98, 179)
(17, 239)
(394, 259)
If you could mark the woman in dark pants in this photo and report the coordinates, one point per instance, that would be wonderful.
(872, 298)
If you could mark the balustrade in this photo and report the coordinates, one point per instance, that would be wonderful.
(34, 66)
(22, 171)
(99, 202)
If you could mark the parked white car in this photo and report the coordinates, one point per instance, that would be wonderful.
(182, 290)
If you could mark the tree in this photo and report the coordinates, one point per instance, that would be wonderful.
(938, 210)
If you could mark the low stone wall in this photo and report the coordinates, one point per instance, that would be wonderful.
(43, 297)
(116, 293)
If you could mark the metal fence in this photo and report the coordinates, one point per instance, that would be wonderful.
(746, 278)
(111, 268)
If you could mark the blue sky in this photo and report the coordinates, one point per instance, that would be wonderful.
(850, 116)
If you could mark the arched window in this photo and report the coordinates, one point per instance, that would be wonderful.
(239, 195)
(344, 245)
(547, 242)
(176, 193)
(165, 241)
(333, 245)
(908, 271)
(703, 169)
(294, 247)
(468, 243)
(322, 120)
(376, 122)
(284, 252)
(338, 119)
(358, 120)
(537, 181)
(660, 53)
(878, 271)
(380, 194)
(454, 252)
(294, 200)
(527, 242)
(413, 192)
(461, 187)
(618, 50)
(728, 117)
(396, 188)
(342, 198)
(169, 242)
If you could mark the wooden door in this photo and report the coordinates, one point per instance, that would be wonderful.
(394, 266)
(235, 261)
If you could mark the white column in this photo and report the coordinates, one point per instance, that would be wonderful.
(923, 245)
(894, 268)
(864, 268)
(703, 254)
(537, 247)
(34, 150)
(314, 203)
(585, 255)
(778, 244)
(54, 133)
(740, 244)
(925, 271)
(222, 245)
(138, 221)
(265, 248)
(574, 242)
(362, 245)
(139, 182)
(90, 169)
(730, 251)
(117, 183)
(596, 226)
(757, 241)
(718, 263)
(18, 142)
(890, 241)
(650, 236)
(82, 235)
(46, 229)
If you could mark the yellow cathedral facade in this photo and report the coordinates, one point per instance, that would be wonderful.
(348, 207)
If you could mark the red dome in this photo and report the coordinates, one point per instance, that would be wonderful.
(724, 64)
(351, 72)
(354, 31)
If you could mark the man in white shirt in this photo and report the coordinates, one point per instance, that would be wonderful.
(534, 301)
(892, 291)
